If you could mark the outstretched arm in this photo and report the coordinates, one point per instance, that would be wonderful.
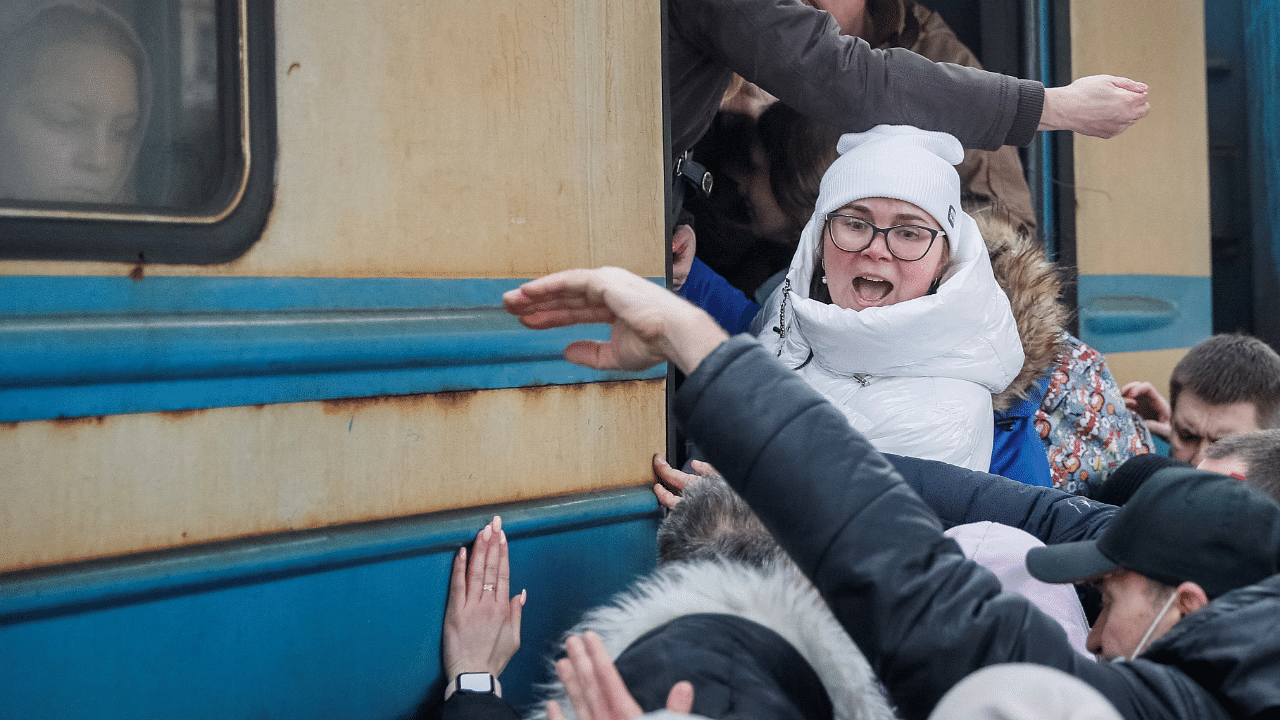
(1099, 105)
(649, 324)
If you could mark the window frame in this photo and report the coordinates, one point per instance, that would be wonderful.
(152, 235)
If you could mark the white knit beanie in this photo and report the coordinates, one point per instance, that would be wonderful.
(899, 162)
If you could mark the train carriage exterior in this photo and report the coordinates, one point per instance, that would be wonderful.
(247, 416)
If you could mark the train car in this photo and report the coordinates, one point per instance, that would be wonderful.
(255, 400)
(260, 388)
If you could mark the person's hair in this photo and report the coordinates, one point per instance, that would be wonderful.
(1260, 452)
(1227, 369)
(62, 24)
(712, 523)
(799, 150)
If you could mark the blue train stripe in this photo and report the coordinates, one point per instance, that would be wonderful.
(78, 346)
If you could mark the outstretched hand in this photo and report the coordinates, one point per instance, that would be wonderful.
(1147, 403)
(1099, 105)
(672, 482)
(481, 621)
(596, 689)
(649, 324)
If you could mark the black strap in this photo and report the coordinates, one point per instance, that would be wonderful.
(694, 174)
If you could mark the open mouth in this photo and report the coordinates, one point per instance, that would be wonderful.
(871, 291)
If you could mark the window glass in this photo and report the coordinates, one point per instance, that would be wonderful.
(115, 107)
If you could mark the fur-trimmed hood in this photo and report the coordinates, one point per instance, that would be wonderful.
(1034, 287)
(778, 598)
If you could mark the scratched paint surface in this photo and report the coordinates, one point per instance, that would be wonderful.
(1142, 206)
(130, 483)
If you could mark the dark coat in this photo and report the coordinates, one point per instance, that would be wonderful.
(797, 54)
(923, 615)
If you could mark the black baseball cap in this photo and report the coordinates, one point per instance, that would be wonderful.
(1182, 524)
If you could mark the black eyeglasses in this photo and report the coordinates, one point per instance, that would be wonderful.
(905, 242)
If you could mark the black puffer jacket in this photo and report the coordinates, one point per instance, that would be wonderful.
(798, 54)
(923, 615)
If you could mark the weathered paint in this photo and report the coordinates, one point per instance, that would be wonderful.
(100, 486)
(334, 623)
(75, 346)
(1153, 366)
(456, 140)
(1143, 197)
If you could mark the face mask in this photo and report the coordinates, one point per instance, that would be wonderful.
(1143, 642)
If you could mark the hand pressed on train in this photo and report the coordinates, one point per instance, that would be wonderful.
(1099, 105)
(649, 324)
(481, 621)
(1146, 401)
(596, 689)
(672, 482)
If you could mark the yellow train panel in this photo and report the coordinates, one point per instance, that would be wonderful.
(1143, 197)
(130, 483)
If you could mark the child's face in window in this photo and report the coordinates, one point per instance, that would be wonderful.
(69, 132)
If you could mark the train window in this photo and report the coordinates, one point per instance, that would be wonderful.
(135, 130)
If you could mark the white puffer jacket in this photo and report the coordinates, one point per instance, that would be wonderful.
(915, 378)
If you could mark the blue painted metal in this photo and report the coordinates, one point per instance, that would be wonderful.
(1049, 220)
(1128, 313)
(1262, 57)
(342, 622)
(77, 346)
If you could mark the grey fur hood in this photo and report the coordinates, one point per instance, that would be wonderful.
(778, 598)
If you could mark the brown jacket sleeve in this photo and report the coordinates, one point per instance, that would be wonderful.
(993, 178)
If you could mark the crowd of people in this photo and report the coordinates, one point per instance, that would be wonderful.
(911, 492)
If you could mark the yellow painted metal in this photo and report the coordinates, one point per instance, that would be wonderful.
(423, 140)
(94, 487)
(458, 140)
(1143, 197)
(1154, 366)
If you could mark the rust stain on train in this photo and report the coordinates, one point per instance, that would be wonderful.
(78, 421)
(457, 401)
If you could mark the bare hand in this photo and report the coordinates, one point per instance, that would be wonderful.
(596, 689)
(1146, 401)
(684, 244)
(672, 482)
(649, 324)
(481, 625)
(1099, 105)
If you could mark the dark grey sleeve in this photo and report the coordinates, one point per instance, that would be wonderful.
(959, 495)
(474, 706)
(924, 616)
(797, 54)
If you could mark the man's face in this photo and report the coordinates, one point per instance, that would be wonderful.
(1197, 425)
(1128, 608)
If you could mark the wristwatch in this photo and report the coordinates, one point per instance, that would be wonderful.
(476, 682)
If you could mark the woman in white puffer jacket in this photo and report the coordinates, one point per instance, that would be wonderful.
(910, 349)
